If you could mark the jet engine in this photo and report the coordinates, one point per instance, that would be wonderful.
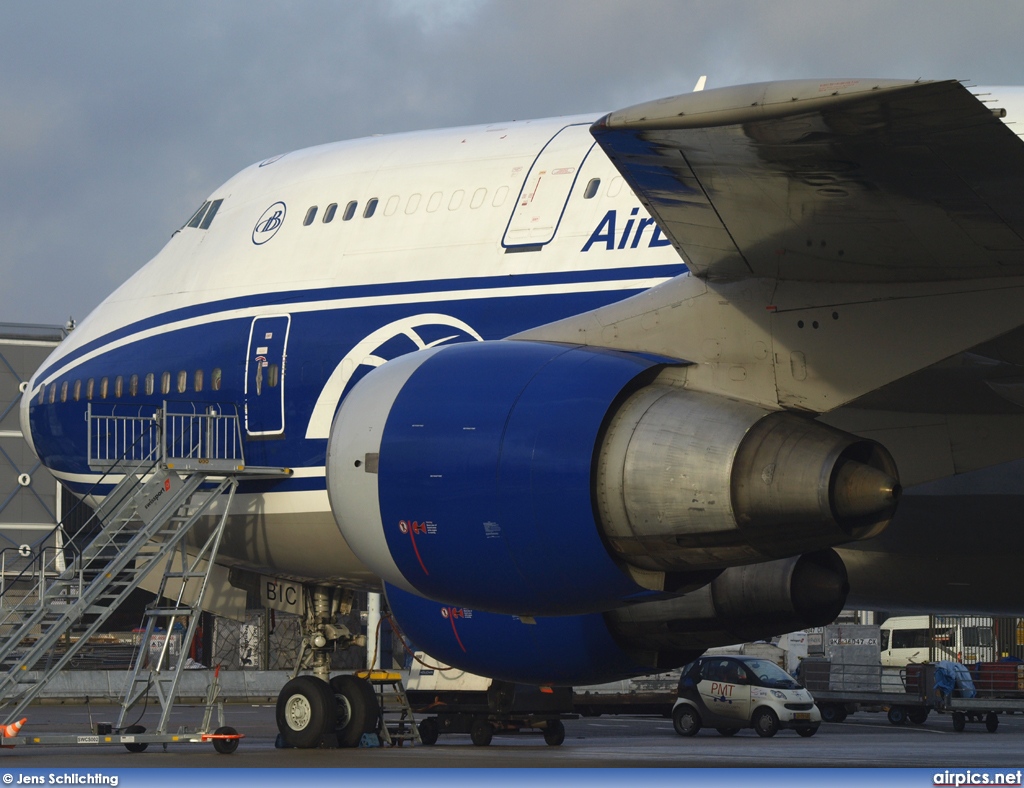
(741, 604)
(541, 479)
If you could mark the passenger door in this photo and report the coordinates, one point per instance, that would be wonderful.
(546, 190)
(265, 375)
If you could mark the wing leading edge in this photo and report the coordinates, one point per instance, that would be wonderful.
(845, 181)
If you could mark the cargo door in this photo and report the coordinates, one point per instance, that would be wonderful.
(265, 374)
(546, 190)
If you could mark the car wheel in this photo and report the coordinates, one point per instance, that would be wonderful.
(686, 720)
(897, 715)
(918, 716)
(807, 731)
(554, 734)
(728, 731)
(765, 722)
(481, 733)
(429, 729)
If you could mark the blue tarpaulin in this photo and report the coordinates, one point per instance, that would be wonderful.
(950, 676)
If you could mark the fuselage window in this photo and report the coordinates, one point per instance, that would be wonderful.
(592, 188)
(182, 381)
(456, 201)
(104, 387)
(478, 198)
(90, 387)
(391, 205)
(53, 393)
(615, 186)
(434, 202)
(371, 206)
(198, 380)
(133, 385)
(118, 386)
(64, 391)
(350, 211)
(149, 383)
(329, 213)
(215, 379)
(78, 390)
(272, 375)
(413, 203)
(42, 394)
(310, 216)
(165, 383)
(499, 197)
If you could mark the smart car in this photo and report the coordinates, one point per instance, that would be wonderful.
(728, 693)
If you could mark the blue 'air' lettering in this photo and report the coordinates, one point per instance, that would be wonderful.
(605, 233)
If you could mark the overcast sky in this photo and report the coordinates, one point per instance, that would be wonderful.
(118, 118)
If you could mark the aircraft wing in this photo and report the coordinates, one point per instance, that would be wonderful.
(845, 181)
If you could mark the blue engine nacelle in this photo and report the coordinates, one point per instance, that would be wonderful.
(464, 473)
(742, 604)
(537, 479)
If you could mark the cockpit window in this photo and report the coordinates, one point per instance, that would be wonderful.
(204, 216)
(197, 217)
(214, 207)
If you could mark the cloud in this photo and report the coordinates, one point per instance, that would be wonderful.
(120, 117)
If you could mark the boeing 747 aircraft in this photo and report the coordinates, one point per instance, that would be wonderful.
(588, 395)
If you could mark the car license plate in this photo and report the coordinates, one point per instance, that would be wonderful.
(802, 715)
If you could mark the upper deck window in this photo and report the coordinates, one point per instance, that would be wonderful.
(371, 206)
(329, 213)
(310, 216)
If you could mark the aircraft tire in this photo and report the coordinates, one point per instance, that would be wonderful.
(554, 733)
(358, 711)
(306, 710)
(429, 731)
(481, 733)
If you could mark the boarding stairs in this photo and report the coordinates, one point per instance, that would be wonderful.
(397, 724)
(175, 467)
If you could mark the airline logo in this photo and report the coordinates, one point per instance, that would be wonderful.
(269, 223)
(607, 236)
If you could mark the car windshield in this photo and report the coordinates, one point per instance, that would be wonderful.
(770, 675)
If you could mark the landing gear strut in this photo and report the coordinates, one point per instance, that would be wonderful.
(316, 710)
